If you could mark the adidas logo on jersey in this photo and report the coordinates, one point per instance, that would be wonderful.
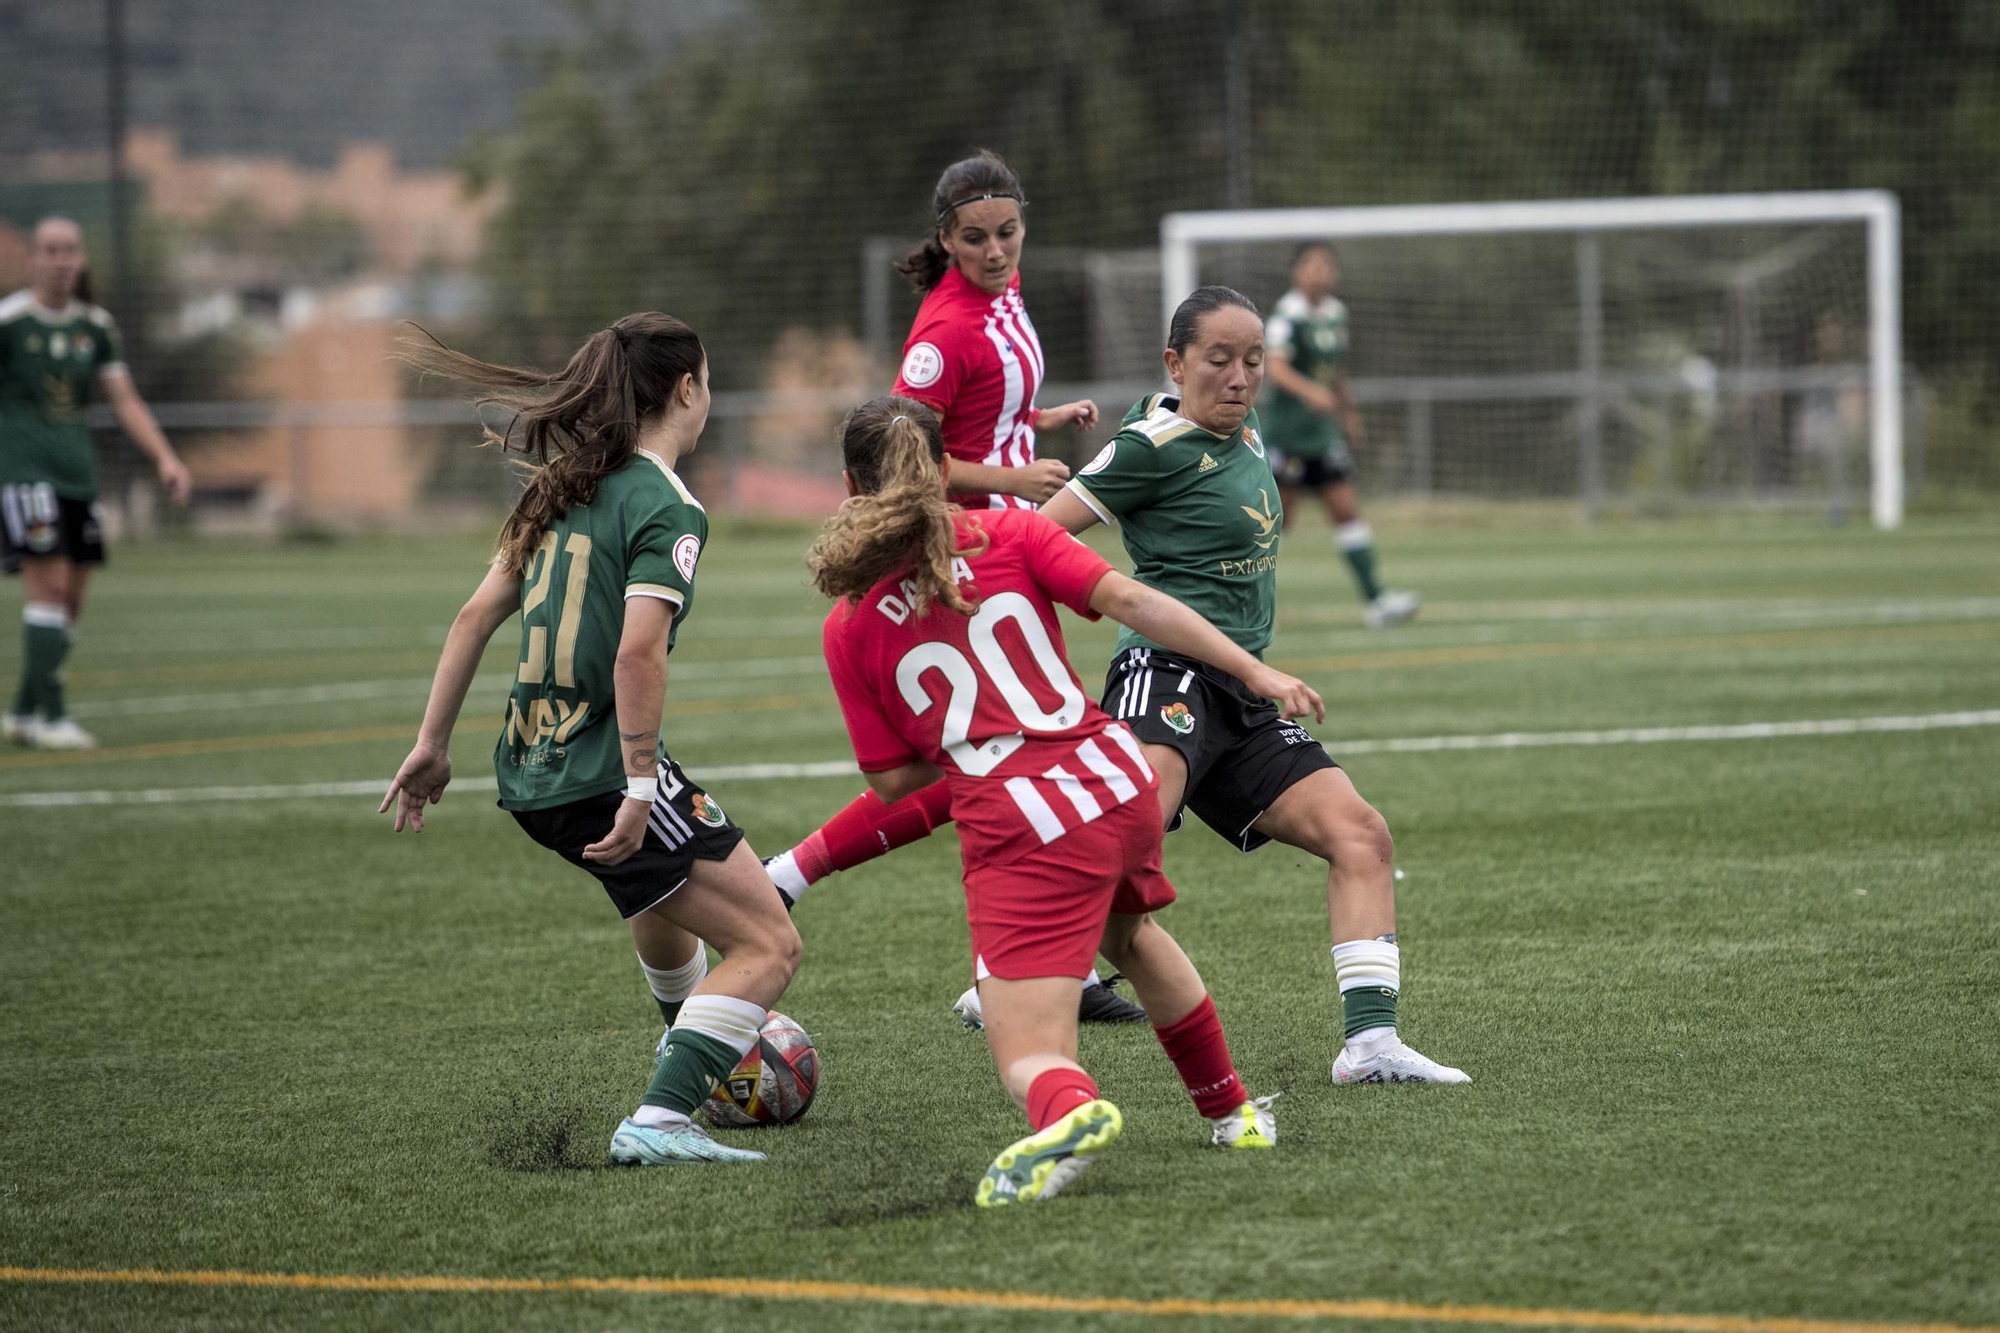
(1207, 463)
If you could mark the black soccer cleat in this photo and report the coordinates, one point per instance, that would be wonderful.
(1101, 1004)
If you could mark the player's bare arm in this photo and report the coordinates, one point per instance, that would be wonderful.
(1082, 413)
(893, 784)
(424, 775)
(1035, 483)
(1176, 627)
(1278, 366)
(1067, 508)
(137, 419)
(639, 683)
(1349, 414)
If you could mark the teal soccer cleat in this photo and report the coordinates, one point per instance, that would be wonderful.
(683, 1145)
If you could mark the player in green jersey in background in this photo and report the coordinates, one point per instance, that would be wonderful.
(599, 557)
(1189, 484)
(1312, 423)
(56, 351)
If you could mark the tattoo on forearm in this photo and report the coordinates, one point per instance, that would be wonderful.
(639, 758)
(632, 735)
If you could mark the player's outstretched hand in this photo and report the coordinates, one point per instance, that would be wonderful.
(1293, 696)
(628, 830)
(1040, 480)
(1082, 414)
(419, 782)
(174, 476)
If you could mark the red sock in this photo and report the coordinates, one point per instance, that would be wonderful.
(870, 827)
(1057, 1092)
(1196, 1046)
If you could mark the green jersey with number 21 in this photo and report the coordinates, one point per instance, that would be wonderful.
(640, 536)
(1199, 514)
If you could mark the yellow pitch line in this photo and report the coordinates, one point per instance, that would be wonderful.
(299, 740)
(960, 1298)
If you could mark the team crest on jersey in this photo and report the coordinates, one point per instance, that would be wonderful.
(686, 552)
(58, 346)
(707, 811)
(1255, 441)
(1101, 462)
(922, 365)
(83, 346)
(41, 537)
(1177, 716)
(32, 345)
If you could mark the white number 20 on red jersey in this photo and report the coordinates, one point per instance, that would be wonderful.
(969, 707)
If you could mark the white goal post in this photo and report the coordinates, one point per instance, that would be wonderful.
(1182, 234)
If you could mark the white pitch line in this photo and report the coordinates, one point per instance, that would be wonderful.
(837, 768)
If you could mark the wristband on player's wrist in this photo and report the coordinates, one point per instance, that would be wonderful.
(642, 789)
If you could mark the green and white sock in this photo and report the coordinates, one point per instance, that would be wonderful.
(1357, 543)
(1370, 973)
(44, 645)
(671, 986)
(712, 1033)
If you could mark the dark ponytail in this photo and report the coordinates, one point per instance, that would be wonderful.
(582, 423)
(1203, 301)
(982, 176)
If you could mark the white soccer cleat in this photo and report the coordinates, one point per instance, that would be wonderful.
(1392, 1062)
(1251, 1125)
(1390, 608)
(63, 734)
(19, 729)
(968, 1010)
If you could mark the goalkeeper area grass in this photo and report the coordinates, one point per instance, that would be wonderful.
(1699, 826)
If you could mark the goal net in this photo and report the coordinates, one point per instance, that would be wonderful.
(1636, 354)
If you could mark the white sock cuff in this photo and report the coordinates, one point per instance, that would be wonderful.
(735, 1023)
(45, 615)
(785, 873)
(1368, 963)
(677, 983)
(1354, 536)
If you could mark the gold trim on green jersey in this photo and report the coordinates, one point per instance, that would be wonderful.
(668, 472)
(660, 590)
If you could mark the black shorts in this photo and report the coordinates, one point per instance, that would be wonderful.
(35, 521)
(1331, 468)
(685, 826)
(1241, 753)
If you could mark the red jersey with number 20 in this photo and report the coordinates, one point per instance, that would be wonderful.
(974, 357)
(989, 698)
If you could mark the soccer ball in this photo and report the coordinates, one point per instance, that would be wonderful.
(772, 1085)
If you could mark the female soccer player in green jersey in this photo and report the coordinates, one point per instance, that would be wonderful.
(56, 348)
(1314, 427)
(1188, 483)
(599, 558)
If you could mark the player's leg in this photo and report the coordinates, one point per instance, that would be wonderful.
(1031, 1028)
(674, 963)
(1189, 1029)
(729, 904)
(1323, 814)
(867, 827)
(45, 641)
(1385, 607)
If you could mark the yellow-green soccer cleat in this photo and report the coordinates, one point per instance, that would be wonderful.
(1251, 1125)
(1043, 1164)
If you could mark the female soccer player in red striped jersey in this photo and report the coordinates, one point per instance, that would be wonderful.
(973, 358)
(947, 659)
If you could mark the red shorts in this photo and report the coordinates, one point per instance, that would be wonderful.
(1043, 915)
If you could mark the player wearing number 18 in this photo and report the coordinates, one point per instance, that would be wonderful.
(947, 660)
(599, 557)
